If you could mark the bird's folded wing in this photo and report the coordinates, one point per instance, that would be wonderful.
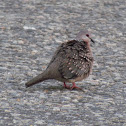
(73, 68)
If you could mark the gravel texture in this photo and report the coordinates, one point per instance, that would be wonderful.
(30, 32)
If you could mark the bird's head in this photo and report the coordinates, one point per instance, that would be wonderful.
(85, 36)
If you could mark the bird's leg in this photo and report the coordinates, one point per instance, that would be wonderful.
(66, 86)
(74, 86)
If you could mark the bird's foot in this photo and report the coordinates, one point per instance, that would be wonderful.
(73, 87)
(66, 86)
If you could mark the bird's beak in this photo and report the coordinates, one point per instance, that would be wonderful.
(92, 40)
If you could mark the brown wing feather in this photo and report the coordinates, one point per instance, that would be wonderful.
(75, 62)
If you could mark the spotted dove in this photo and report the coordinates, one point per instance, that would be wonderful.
(71, 62)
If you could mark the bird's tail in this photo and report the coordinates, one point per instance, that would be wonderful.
(41, 77)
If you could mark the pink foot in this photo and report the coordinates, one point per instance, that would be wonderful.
(66, 86)
(71, 88)
(75, 87)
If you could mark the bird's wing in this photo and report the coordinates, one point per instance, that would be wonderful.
(71, 68)
(75, 62)
(62, 51)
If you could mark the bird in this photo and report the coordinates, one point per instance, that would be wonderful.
(71, 62)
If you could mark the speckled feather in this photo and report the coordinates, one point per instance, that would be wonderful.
(76, 59)
(71, 62)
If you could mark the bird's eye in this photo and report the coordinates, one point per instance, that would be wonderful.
(87, 35)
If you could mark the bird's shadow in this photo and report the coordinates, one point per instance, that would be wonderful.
(50, 88)
(54, 88)
(61, 88)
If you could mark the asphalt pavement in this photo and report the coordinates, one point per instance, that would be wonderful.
(30, 32)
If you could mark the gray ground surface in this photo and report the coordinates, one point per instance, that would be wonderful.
(30, 31)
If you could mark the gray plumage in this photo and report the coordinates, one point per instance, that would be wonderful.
(71, 62)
